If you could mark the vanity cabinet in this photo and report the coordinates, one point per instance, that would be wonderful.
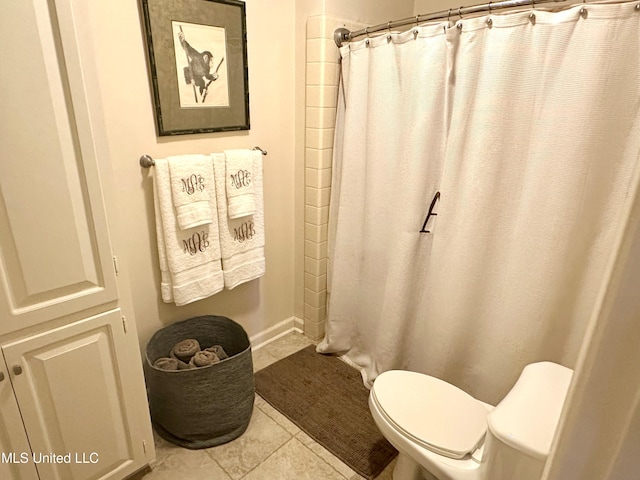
(75, 392)
(72, 398)
(13, 438)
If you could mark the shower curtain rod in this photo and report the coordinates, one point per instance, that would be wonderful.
(341, 35)
(146, 161)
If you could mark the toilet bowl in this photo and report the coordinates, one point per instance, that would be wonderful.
(443, 433)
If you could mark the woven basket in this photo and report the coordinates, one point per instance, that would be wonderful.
(206, 406)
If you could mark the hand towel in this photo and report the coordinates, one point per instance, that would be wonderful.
(218, 350)
(165, 363)
(204, 358)
(240, 183)
(241, 239)
(191, 179)
(190, 264)
(185, 349)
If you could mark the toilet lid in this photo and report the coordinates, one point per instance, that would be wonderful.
(431, 412)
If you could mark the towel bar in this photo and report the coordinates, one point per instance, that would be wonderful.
(146, 161)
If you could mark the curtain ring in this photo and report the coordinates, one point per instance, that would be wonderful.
(490, 8)
(460, 14)
(449, 16)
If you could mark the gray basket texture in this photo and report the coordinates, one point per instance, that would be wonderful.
(206, 406)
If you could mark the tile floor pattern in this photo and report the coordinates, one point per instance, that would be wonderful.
(271, 448)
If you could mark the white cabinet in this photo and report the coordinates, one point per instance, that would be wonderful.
(72, 397)
(14, 447)
(74, 387)
(54, 240)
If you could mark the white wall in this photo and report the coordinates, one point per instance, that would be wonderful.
(599, 433)
(429, 6)
(276, 50)
(129, 119)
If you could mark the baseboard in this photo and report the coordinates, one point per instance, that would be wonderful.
(291, 324)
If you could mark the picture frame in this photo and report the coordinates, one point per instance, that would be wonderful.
(197, 55)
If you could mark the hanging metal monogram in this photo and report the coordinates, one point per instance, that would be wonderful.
(431, 213)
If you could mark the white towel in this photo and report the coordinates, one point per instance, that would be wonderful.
(190, 264)
(191, 181)
(241, 239)
(240, 183)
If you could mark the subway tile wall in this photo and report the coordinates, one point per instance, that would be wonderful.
(322, 77)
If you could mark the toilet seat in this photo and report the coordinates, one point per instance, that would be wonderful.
(431, 412)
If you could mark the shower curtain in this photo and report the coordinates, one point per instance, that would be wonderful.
(480, 169)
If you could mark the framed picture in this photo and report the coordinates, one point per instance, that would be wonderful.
(197, 52)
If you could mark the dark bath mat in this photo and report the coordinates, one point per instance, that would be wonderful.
(326, 399)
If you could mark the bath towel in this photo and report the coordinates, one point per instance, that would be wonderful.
(241, 239)
(165, 363)
(190, 265)
(204, 358)
(191, 180)
(218, 350)
(240, 183)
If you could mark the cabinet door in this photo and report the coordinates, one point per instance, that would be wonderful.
(77, 394)
(15, 453)
(55, 253)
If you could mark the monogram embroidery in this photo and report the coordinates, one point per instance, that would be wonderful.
(242, 178)
(197, 243)
(193, 183)
(244, 232)
(436, 197)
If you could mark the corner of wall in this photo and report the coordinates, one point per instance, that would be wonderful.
(322, 75)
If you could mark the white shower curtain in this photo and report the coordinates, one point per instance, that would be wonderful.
(530, 132)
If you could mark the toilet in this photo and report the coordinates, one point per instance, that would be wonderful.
(443, 433)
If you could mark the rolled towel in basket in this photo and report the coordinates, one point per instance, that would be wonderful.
(218, 350)
(204, 358)
(165, 363)
(182, 365)
(185, 349)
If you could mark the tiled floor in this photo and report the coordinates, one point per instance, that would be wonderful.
(272, 448)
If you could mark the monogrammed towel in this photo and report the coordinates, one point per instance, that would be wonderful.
(240, 183)
(241, 239)
(191, 180)
(190, 264)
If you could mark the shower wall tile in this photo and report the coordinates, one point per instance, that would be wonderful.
(315, 232)
(319, 158)
(316, 215)
(316, 27)
(315, 329)
(320, 49)
(317, 197)
(315, 299)
(322, 95)
(321, 117)
(321, 138)
(315, 250)
(315, 283)
(314, 314)
(323, 73)
(319, 27)
(318, 178)
(315, 266)
(322, 80)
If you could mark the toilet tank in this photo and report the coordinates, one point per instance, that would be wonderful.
(522, 426)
